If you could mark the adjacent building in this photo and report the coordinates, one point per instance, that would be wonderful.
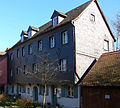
(3, 72)
(78, 38)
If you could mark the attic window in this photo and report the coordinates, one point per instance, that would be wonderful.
(29, 34)
(55, 22)
(92, 17)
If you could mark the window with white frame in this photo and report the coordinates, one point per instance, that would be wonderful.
(69, 91)
(18, 53)
(63, 65)
(39, 45)
(23, 89)
(55, 21)
(18, 71)
(30, 49)
(11, 72)
(64, 37)
(28, 90)
(34, 68)
(29, 33)
(25, 69)
(106, 45)
(92, 17)
(52, 42)
(23, 51)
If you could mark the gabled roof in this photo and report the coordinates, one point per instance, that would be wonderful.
(33, 28)
(71, 15)
(58, 13)
(2, 53)
(24, 33)
(106, 71)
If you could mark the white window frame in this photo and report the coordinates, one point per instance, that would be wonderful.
(55, 21)
(29, 34)
(18, 71)
(92, 17)
(30, 49)
(25, 69)
(63, 65)
(40, 45)
(52, 42)
(106, 45)
(69, 91)
(65, 37)
(35, 68)
(23, 51)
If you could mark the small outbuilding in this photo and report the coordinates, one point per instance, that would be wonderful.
(101, 85)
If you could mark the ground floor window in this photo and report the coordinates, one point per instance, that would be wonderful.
(23, 89)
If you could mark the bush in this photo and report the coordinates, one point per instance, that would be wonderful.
(25, 103)
(3, 101)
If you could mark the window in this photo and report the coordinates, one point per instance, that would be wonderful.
(52, 42)
(18, 53)
(63, 64)
(23, 89)
(92, 17)
(29, 34)
(40, 45)
(106, 45)
(30, 49)
(55, 21)
(25, 69)
(41, 90)
(34, 68)
(11, 56)
(70, 91)
(23, 51)
(11, 72)
(28, 90)
(18, 71)
(65, 37)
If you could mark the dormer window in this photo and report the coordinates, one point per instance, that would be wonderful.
(55, 21)
(57, 17)
(29, 33)
(24, 35)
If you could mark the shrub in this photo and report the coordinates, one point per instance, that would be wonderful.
(3, 101)
(25, 103)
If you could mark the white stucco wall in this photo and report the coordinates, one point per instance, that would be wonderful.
(90, 38)
(70, 102)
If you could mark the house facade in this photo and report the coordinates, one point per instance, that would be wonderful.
(77, 38)
(3, 72)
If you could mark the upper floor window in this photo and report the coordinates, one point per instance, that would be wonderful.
(55, 21)
(64, 37)
(40, 45)
(11, 56)
(29, 33)
(52, 42)
(106, 45)
(30, 49)
(63, 65)
(23, 51)
(23, 89)
(34, 68)
(18, 53)
(92, 17)
(11, 72)
(25, 69)
(18, 71)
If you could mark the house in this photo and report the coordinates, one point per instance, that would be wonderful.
(79, 36)
(3, 72)
(101, 85)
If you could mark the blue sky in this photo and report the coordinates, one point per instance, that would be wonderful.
(17, 15)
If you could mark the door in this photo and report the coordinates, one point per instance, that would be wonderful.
(35, 94)
(54, 96)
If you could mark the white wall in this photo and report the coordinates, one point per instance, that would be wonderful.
(90, 38)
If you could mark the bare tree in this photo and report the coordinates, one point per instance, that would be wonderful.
(116, 26)
(46, 70)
